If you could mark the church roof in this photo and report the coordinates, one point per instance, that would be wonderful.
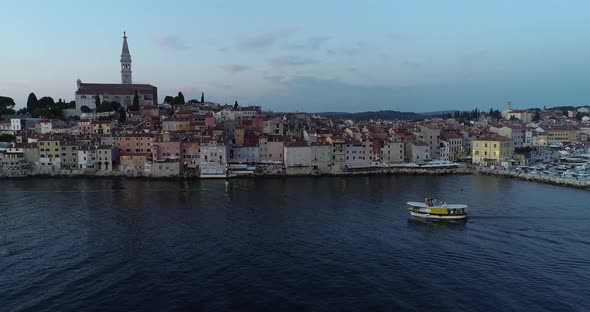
(115, 88)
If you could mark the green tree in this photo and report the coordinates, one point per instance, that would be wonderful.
(116, 106)
(96, 101)
(135, 106)
(168, 99)
(122, 115)
(179, 99)
(7, 138)
(6, 105)
(85, 109)
(32, 102)
(105, 106)
(537, 116)
(202, 97)
(46, 102)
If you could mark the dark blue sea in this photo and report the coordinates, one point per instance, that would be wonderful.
(291, 244)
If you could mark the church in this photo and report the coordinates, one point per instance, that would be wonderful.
(122, 93)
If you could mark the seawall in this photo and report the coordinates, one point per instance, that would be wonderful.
(581, 184)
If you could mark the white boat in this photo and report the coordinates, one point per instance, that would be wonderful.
(437, 211)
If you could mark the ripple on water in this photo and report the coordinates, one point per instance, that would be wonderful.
(291, 244)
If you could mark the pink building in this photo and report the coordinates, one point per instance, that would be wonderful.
(166, 150)
(85, 127)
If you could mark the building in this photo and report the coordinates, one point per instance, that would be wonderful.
(452, 142)
(122, 93)
(355, 155)
(321, 157)
(418, 152)
(213, 158)
(516, 133)
(104, 158)
(102, 127)
(271, 148)
(392, 151)
(525, 116)
(297, 157)
(492, 150)
(49, 154)
(247, 153)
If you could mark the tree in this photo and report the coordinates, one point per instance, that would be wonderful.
(105, 106)
(236, 105)
(96, 101)
(193, 101)
(85, 109)
(115, 106)
(168, 99)
(7, 138)
(202, 97)
(537, 116)
(45, 102)
(135, 106)
(32, 102)
(122, 115)
(6, 105)
(179, 99)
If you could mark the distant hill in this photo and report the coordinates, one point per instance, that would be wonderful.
(384, 115)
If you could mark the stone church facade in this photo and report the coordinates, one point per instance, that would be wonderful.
(122, 93)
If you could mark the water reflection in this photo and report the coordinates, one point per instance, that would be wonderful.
(436, 225)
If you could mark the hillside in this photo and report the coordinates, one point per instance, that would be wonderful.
(384, 115)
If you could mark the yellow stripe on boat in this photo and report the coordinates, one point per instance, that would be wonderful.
(439, 210)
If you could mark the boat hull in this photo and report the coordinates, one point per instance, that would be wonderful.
(437, 216)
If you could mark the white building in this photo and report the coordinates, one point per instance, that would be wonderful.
(418, 152)
(249, 154)
(87, 157)
(271, 148)
(392, 151)
(321, 157)
(355, 155)
(297, 157)
(515, 133)
(213, 157)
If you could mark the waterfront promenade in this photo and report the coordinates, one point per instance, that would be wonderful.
(462, 170)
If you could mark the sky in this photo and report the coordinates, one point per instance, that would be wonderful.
(313, 56)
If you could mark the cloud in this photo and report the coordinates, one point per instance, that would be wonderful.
(170, 42)
(288, 61)
(312, 43)
(234, 68)
(397, 36)
(356, 48)
(274, 78)
(263, 40)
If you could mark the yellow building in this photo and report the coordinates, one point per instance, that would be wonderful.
(102, 126)
(239, 135)
(49, 147)
(491, 149)
(556, 135)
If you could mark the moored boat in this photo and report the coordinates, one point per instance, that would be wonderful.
(431, 209)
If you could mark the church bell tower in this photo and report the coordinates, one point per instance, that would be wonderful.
(125, 62)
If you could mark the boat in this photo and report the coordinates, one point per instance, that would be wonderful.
(432, 209)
